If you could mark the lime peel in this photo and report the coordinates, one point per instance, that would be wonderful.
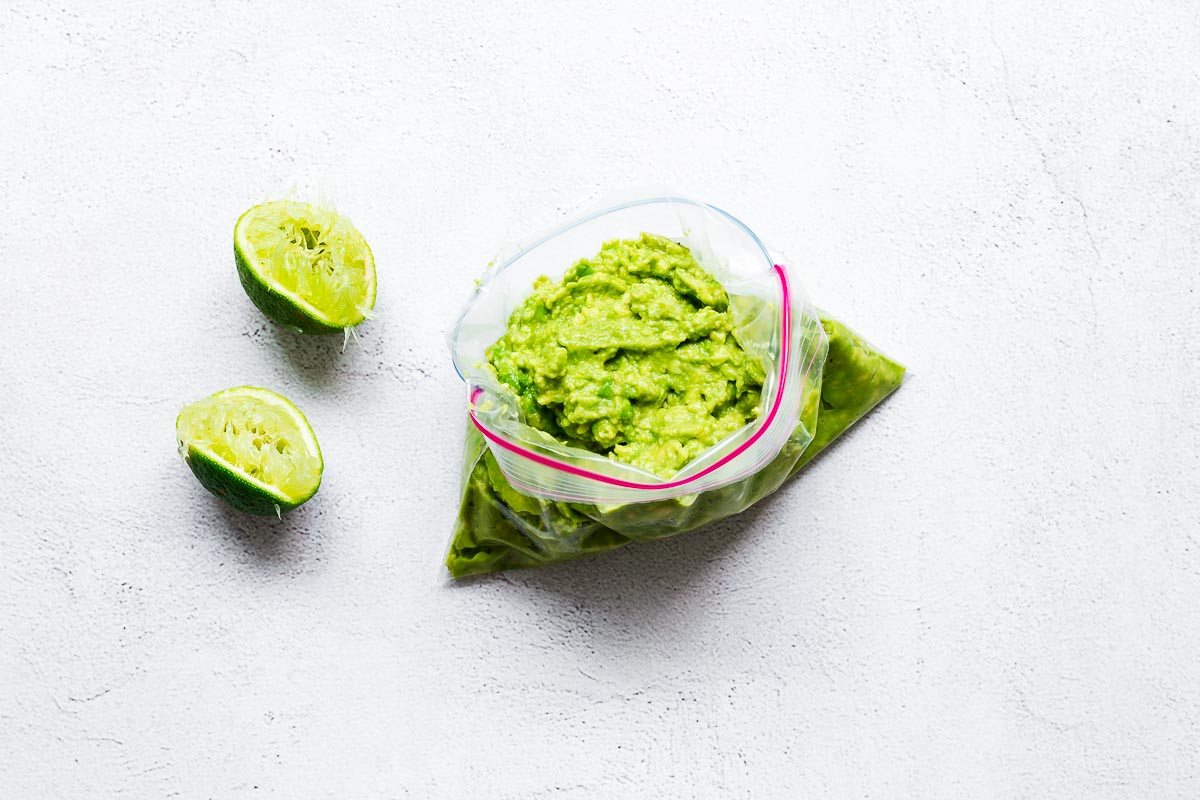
(252, 447)
(305, 266)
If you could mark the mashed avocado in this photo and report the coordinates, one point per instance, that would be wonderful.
(631, 355)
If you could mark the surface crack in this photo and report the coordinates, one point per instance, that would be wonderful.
(1056, 182)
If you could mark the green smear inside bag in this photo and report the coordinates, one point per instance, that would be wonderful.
(500, 528)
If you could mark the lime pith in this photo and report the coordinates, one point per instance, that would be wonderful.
(253, 448)
(304, 266)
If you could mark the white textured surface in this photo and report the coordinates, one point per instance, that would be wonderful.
(990, 589)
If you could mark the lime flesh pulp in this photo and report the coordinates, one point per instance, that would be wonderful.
(253, 448)
(306, 267)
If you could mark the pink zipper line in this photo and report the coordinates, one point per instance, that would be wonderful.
(545, 461)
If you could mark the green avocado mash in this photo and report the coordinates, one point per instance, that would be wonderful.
(631, 355)
(553, 355)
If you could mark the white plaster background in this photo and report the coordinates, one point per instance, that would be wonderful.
(990, 589)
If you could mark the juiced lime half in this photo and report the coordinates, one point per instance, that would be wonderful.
(304, 266)
(252, 447)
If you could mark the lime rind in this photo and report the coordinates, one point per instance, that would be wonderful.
(305, 266)
(252, 447)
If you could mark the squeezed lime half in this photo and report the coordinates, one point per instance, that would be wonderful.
(304, 266)
(253, 448)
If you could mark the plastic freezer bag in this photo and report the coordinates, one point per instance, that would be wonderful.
(531, 498)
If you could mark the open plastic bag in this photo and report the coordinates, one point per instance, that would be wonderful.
(529, 499)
